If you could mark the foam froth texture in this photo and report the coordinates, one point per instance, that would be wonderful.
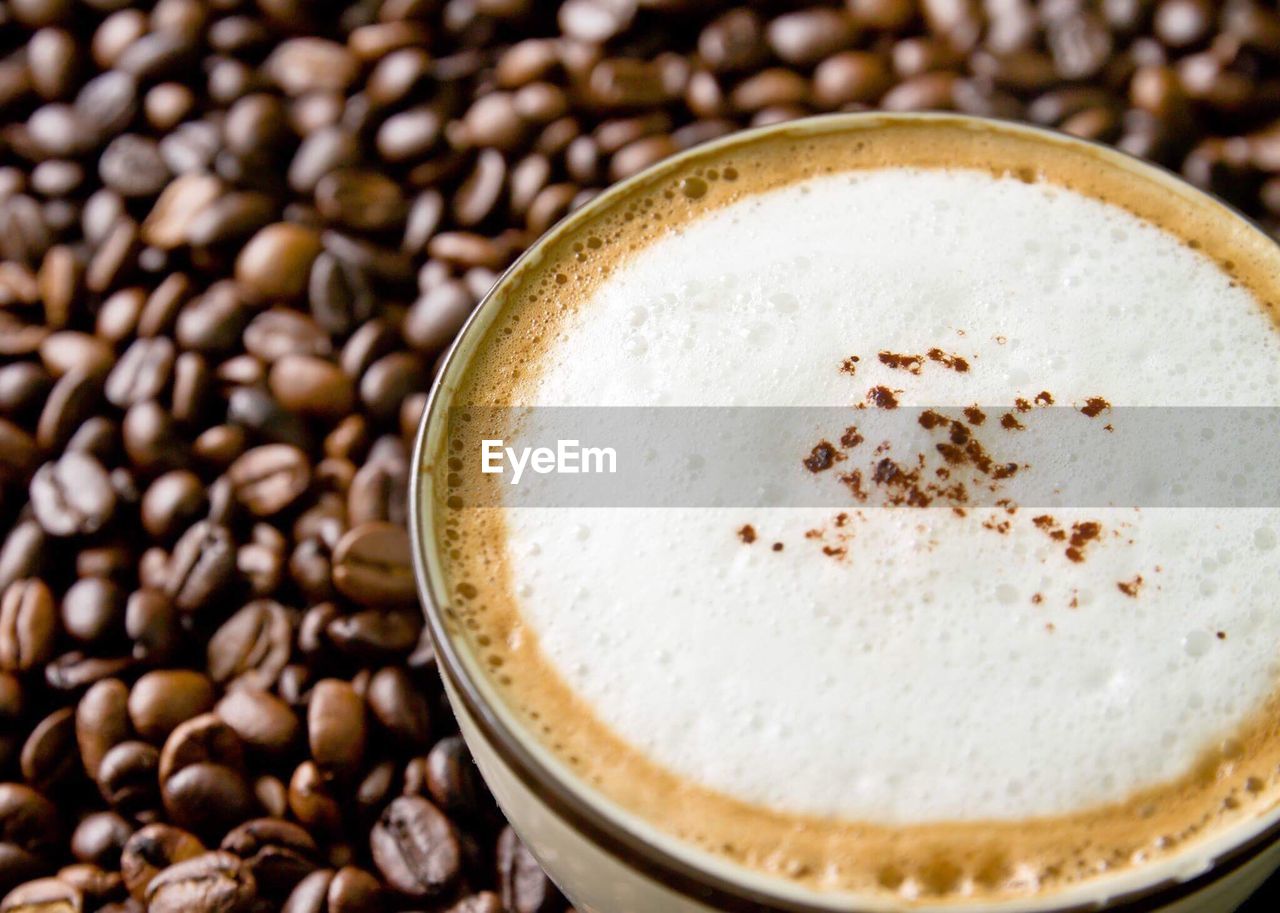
(916, 702)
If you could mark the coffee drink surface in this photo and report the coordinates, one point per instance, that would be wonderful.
(924, 701)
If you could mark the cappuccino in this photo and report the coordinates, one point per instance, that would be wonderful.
(913, 700)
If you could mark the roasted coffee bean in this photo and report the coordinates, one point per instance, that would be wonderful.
(275, 262)
(375, 634)
(360, 199)
(151, 439)
(453, 779)
(262, 721)
(213, 882)
(99, 839)
(127, 779)
(142, 372)
(415, 848)
(525, 887)
(311, 895)
(44, 895)
(203, 562)
(48, 758)
(399, 707)
(68, 405)
(252, 646)
(353, 890)
(151, 623)
(27, 819)
(212, 322)
(152, 849)
(160, 700)
(23, 386)
(92, 609)
(28, 625)
(93, 882)
(268, 479)
(207, 798)
(311, 386)
(72, 496)
(279, 854)
(373, 566)
(336, 727)
(204, 738)
(312, 801)
(74, 671)
(171, 502)
(102, 722)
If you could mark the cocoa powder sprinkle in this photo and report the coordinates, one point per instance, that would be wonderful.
(1130, 587)
(747, 534)
(954, 362)
(823, 456)
(898, 362)
(883, 398)
(1094, 405)
(851, 438)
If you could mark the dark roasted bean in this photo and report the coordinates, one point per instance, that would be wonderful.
(336, 727)
(415, 848)
(252, 646)
(214, 882)
(152, 849)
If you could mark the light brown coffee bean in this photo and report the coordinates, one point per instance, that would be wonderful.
(372, 565)
(252, 646)
(102, 722)
(159, 701)
(275, 262)
(311, 386)
(28, 625)
(269, 478)
(336, 727)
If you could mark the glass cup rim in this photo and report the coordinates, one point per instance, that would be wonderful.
(594, 823)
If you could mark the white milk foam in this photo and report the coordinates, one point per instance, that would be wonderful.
(937, 671)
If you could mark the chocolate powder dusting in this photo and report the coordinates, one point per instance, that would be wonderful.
(850, 365)
(1081, 535)
(1130, 587)
(898, 362)
(823, 456)
(1010, 422)
(929, 419)
(1044, 398)
(1094, 405)
(747, 534)
(851, 438)
(954, 362)
(853, 481)
(882, 397)
(1022, 404)
(974, 415)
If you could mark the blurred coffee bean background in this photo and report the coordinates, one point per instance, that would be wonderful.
(236, 236)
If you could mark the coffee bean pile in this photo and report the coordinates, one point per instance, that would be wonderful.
(235, 237)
